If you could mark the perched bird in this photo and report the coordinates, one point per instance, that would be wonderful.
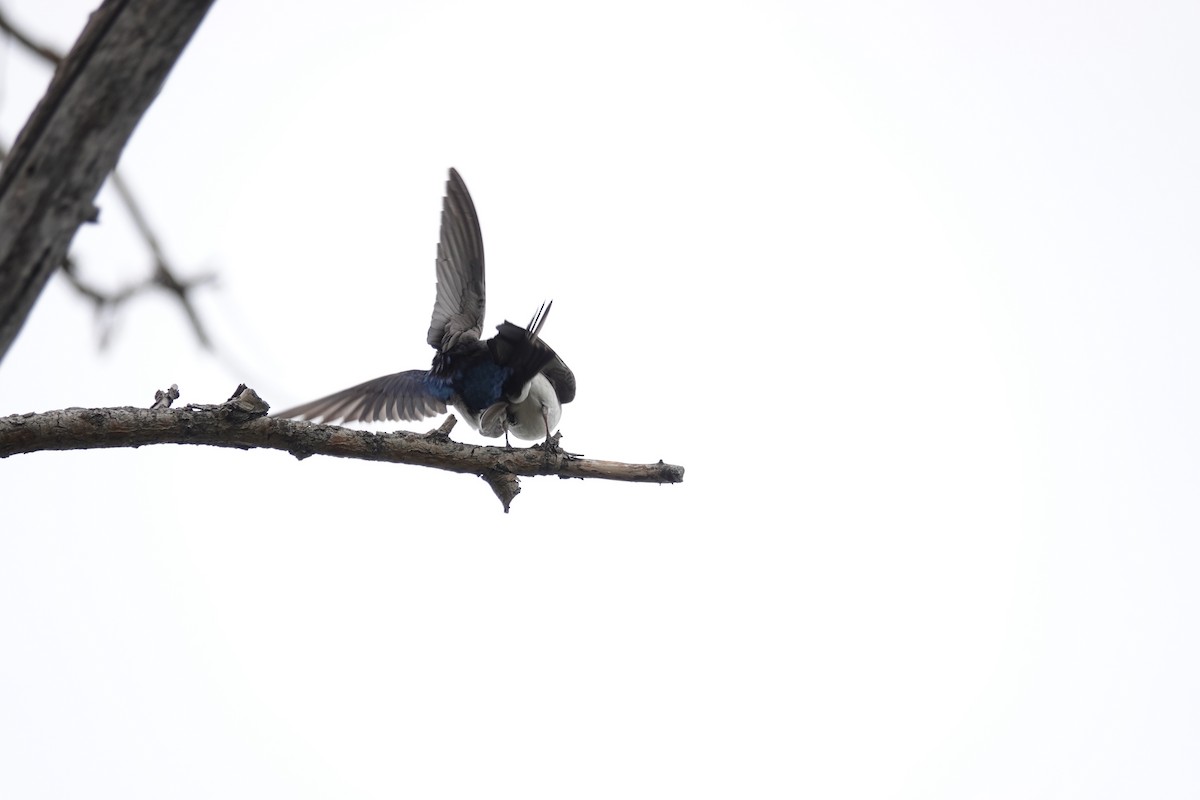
(512, 383)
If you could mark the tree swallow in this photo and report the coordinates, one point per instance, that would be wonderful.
(512, 383)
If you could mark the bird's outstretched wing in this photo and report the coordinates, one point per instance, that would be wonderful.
(458, 309)
(410, 396)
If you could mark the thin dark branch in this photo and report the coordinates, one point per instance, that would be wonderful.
(241, 422)
(46, 52)
(107, 304)
(164, 274)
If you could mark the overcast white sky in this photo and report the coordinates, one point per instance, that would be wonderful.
(910, 290)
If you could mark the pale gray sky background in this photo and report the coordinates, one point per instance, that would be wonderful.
(910, 289)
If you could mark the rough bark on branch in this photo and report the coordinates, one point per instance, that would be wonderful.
(75, 137)
(241, 422)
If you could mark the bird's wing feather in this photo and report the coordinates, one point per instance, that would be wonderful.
(561, 378)
(410, 396)
(458, 309)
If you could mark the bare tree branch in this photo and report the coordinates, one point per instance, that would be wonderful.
(75, 136)
(163, 276)
(45, 52)
(106, 304)
(241, 422)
